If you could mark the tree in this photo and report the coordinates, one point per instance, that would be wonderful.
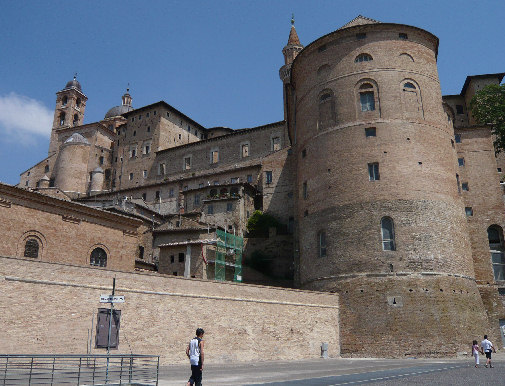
(259, 223)
(488, 108)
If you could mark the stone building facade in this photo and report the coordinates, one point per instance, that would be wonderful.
(390, 192)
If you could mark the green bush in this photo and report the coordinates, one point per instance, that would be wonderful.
(259, 223)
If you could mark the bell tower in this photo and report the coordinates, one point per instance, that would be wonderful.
(69, 111)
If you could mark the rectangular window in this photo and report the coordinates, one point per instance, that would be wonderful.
(229, 206)
(373, 171)
(468, 211)
(245, 150)
(133, 152)
(214, 157)
(147, 149)
(161, 169)
(181, 257)
(498, 259)
(100, 161)
(249, 178)
(499, 170)
(147, 115)
(322, 244)
(185, 188)
(461, 162)
(304, 191)
(197, 199)
(131, 176)
(144, 174)
(210, 209)
(268, 176)
(367, 101)
(464, 186)
(457, 138)
(276, 143)
(403, 36)
(234, 180)
(144, 196)
(370, 132)
(361, 36)
(304, 153)
(158, 193)
(459, 109)
(200, 185)
(216, 182)
(172, 258)
(171, 192)
(187, 163)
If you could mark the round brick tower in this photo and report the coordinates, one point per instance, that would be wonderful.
(379, 216)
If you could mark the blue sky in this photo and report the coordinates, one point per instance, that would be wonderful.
(216, 61)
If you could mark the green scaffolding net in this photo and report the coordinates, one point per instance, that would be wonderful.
(228, 258)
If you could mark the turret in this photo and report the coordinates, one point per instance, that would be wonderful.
(290, 51)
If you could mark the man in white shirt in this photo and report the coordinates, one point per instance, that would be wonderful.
(194, 351)
(487, 347)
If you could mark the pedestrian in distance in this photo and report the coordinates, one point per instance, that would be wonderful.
(475, 352)
(486, 348)
(194, 351)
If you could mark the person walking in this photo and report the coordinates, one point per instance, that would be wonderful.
(475, 352)
(194, 351)
(486, 348)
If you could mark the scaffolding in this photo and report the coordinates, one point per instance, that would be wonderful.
(228, 258)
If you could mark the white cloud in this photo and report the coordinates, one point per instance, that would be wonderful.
(22, 118)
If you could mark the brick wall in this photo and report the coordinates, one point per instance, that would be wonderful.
(49, 308)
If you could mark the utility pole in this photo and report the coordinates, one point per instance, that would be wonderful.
(110, 330)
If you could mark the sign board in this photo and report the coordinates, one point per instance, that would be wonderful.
(102, 328)
(111, 299)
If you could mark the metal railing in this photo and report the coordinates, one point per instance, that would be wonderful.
(79, 369)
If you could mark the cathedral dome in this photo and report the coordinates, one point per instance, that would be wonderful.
(118, 110)
(74, 83)
(77, 138)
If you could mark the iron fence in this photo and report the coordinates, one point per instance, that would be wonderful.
(79, 369)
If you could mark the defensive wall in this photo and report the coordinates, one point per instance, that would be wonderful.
(49, 308)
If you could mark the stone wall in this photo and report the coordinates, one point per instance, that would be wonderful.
(49, 308)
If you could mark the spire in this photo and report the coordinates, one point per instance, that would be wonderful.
(293, 36)
(127, 98)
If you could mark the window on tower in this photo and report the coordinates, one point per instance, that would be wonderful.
(64, 101)
(366, 97)
(75, 121)
(62, 119)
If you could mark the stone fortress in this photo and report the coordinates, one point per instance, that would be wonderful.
(389, 192)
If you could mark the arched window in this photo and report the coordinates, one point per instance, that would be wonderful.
(62, 119)
(223, 192)
(388, 234)
(363, 58)
(98, 258)
(323, 70)
(31, 248)
(406, 57)
(367, 97)
(495, 238)
(411, 99)
(326, 109)
(321, 240)
(76, 120)
(213, 192)
(64, 101)
(78, 102)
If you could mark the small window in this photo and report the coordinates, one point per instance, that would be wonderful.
(64, 100)
(304, 153)
(363, 58)
(147, 149)
(185, 188)
(130, 176)
(214, 156)
(46, 168)
(457, 183)
(229, 206)
(245, 150)
(133, 119)
(213, 193)
(181, 257)
(268, 175)
(276, 143)
(144, 174)
(31, 248)
(174, 273)
(322, 48)
(370, 132)
(409, 85)
(210, 209)
(249, 179)
(75, 121)
(403, 36)
(321, 238)
(98, 258)
(388, 234)
(366, 98)
(154, 112)
(216, 182)
(158, 194)
(464, 186)
(187, 163)
(457, 138)
(78, 102)
(459, 109)
(197, 200)
(168, 114)
(499, 170)
(469, 211)
(172, 259)
(171, 192)
(147, 115)
(361, 36)
(140, 117)
(200, 185)
(461, 162)
(161, 169)
(134, 133)
(62, 119)
(100, 160)
(304, 190)
(144, 196)
(373, 171)
(234, 180)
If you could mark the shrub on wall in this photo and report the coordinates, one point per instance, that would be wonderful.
(259, 223)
